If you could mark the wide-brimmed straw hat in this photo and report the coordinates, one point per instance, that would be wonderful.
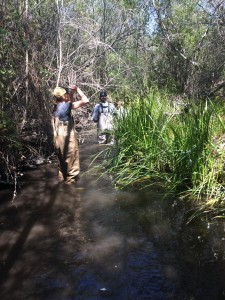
(59, 92)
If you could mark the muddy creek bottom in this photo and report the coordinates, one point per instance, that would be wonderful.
(89, 241)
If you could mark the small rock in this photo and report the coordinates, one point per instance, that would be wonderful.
(105, 292)
(39, 161)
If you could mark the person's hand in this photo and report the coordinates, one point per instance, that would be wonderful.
(74, 87)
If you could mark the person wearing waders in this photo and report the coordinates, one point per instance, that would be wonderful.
(103, 116)
(65, 139)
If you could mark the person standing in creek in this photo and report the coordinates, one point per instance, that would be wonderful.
(103, 116)
(64, 134)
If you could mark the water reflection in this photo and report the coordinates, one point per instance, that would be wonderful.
(92, 242)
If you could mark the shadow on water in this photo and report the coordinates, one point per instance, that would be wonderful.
(89, 242)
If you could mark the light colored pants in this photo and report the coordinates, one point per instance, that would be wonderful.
(104, 128)
(65, 141)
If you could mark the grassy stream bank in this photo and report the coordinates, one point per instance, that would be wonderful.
(180, 147)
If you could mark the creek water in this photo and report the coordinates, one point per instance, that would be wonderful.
(92, 242)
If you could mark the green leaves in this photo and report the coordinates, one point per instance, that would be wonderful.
(154, 141)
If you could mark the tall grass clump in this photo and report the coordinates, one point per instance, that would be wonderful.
(191, 134)
(141, 141)
(179, 149)
(191, 146)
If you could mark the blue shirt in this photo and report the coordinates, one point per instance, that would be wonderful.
(63, 111)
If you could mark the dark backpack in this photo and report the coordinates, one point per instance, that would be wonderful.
(103, 108)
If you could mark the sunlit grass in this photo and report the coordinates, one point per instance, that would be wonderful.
(179, 149)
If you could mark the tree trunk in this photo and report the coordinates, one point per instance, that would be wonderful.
(60, 65)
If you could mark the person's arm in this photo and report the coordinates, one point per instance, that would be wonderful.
(95, 114)
(84, 99)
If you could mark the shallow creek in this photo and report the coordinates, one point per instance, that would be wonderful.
(91, 242)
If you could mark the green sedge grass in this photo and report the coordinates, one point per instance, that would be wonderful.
(154, 143)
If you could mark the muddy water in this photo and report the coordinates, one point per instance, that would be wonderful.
(90, 242)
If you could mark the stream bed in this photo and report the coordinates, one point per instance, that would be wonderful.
(92, 242)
